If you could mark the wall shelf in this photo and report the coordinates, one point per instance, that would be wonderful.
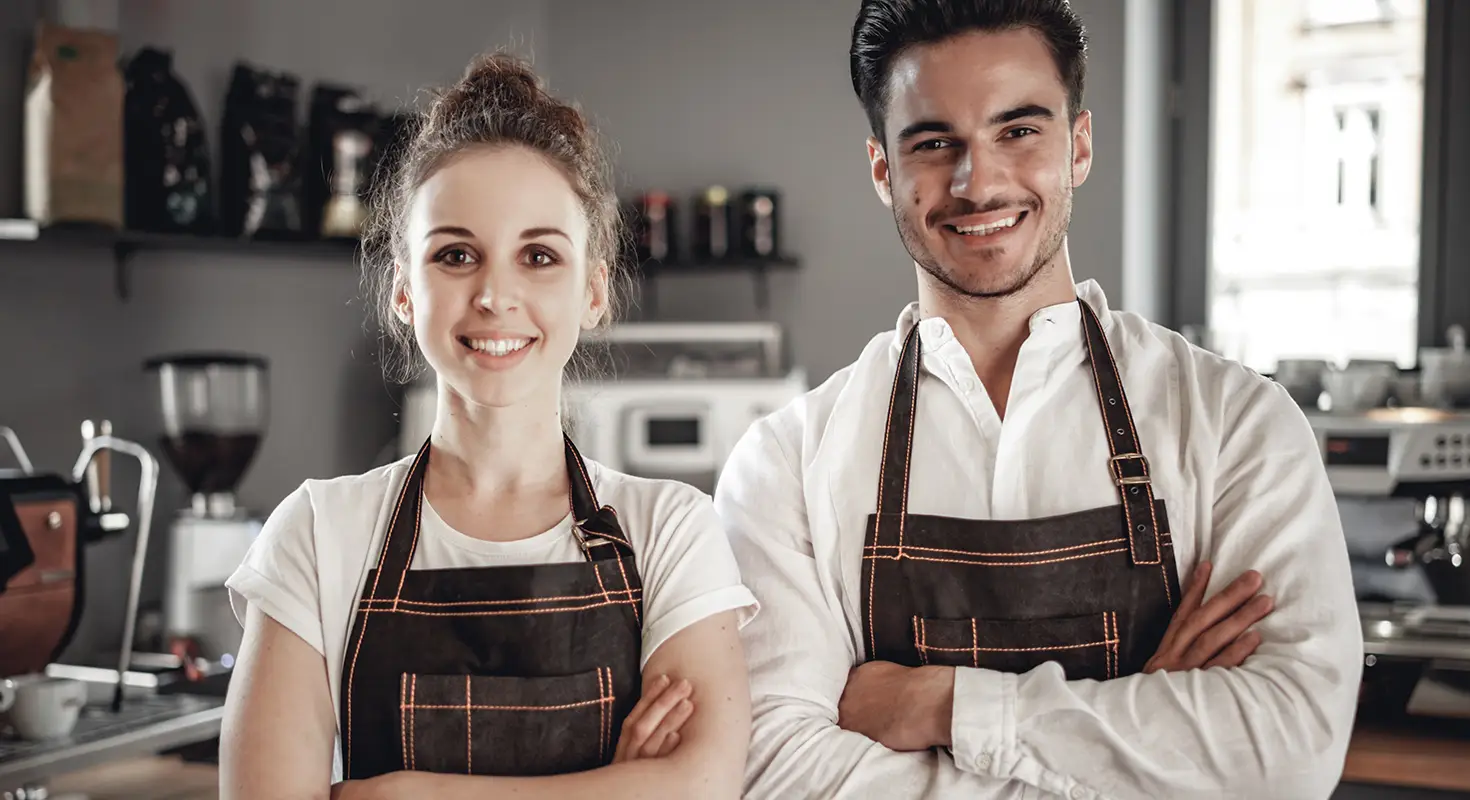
(123, 244)
(758, 268)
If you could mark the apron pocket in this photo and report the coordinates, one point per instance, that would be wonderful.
(1084, 646)
(496, 725)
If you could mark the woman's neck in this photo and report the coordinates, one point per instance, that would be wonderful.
(497, 473)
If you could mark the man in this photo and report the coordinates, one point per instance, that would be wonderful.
(983, 550)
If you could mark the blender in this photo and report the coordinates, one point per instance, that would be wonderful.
(214, 409)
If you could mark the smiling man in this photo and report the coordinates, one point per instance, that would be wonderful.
(1027, 541)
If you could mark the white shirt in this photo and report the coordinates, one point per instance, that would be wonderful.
(1242, 478)
(306, 570)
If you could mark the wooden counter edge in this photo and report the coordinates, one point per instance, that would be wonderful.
(1394, 757)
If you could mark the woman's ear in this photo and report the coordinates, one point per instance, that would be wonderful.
(402, 300)
(597, 296)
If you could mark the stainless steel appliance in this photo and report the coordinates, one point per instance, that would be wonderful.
(47, 520)
(214, 414)
(670, 399)
(1401, 477)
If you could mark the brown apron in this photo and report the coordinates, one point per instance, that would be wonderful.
(1092, 590)
(517, 670)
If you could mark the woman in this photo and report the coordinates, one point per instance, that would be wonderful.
(496, 606)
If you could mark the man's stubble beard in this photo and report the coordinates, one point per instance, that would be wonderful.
(1051, 244)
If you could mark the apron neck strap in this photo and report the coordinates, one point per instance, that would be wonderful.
(596, 527)
(1127, 464)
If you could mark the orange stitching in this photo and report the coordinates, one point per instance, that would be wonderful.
(1107, 654)
(1001, 555)
(597, 571)
(434, 707)
(607, 707)
(469, 740)
(362, 629)
(461, 603)
(563, 609)
(996, 563)
(403, 716)
(974, 645)
(1132, 428)
(908, 456)
(1017, 649)
(413, 740)
(586, 481)
(882, 473)
(602, 721)
(412, 547)
(628, 587)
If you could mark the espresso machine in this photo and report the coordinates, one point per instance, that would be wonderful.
(1402, 478)
(213, 413)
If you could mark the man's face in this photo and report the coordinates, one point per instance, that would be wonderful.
(980, 160)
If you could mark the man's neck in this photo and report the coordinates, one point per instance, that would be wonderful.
(992, 329)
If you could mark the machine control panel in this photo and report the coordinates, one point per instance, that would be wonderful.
(1382, 453)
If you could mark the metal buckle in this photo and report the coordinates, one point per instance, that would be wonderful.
(1129, 480)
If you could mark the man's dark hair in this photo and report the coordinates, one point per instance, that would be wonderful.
(885, 28)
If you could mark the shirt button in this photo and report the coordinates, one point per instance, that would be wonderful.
(983, 761)
(1078, 793)
(967, 385)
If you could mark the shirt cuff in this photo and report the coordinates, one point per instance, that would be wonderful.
(983, 725)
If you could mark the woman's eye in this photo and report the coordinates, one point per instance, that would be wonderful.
(542, 258)
(454, 256)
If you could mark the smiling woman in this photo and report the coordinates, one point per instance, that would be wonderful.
(494, 606)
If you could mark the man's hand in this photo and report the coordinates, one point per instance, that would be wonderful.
(651, 729)
(901, 708)
(1213, 634)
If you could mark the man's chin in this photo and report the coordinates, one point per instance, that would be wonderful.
(990, 280)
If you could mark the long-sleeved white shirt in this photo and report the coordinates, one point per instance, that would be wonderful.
(1238, 467)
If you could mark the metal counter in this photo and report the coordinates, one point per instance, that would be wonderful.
(147, 724)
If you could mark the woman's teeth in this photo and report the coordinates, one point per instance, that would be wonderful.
(496, 347)
(985, 230)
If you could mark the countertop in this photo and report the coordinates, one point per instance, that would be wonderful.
(1424, 753)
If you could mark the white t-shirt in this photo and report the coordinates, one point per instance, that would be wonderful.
(306, 569)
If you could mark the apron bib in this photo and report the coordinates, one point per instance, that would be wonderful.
(1092, 590)
(514, 670)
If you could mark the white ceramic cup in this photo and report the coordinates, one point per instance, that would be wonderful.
(41, 707)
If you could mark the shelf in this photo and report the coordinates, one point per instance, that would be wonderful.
(124, 244)
(757, 268)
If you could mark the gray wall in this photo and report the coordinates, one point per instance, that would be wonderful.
(680, 91)
(647, 70)
(73, 350)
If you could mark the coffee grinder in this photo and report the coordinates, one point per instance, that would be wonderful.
(214, 413)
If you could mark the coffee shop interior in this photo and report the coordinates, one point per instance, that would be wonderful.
(187, 337)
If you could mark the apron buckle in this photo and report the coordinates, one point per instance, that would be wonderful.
(1116, 462)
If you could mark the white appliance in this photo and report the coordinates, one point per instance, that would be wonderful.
(673, 402)
(1379, 452)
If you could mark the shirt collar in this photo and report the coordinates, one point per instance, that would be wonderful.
(1051, 324)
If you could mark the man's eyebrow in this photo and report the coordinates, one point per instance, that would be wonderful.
(1022, 112)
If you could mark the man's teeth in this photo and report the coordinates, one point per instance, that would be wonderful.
(497, 347)
(982, 230)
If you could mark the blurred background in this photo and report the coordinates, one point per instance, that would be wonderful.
(1283, 181)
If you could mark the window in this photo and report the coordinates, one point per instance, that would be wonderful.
(1316, 139)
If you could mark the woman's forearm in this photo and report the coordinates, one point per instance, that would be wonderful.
(644, 779)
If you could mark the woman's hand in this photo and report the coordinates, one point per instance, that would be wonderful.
(651, 730)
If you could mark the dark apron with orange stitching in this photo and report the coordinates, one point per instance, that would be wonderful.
(1092, 590)
(517, 670)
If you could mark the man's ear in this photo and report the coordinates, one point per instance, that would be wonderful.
(878, 162)
(1081, 148)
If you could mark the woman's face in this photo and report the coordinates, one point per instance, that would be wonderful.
(498, 285)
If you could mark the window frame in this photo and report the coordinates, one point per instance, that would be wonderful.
(1444, 289)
